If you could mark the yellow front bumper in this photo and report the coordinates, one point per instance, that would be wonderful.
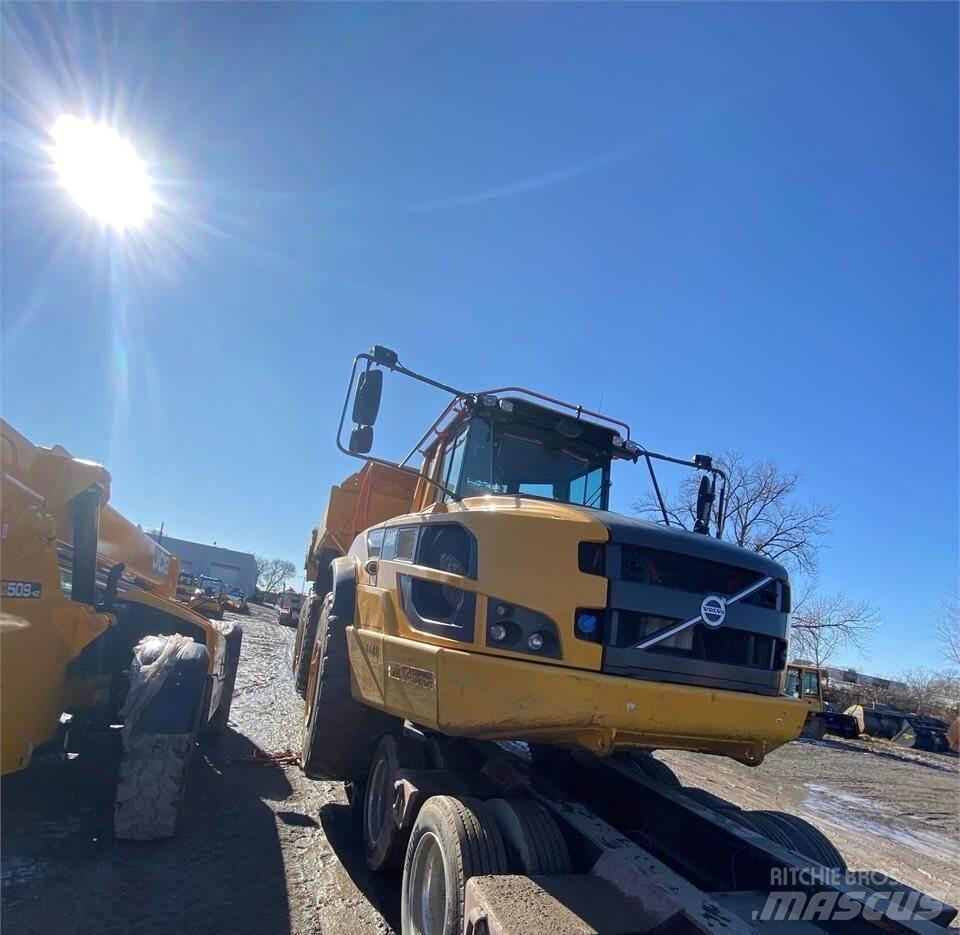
(471, 694)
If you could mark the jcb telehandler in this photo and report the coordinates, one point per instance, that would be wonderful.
(92, 637)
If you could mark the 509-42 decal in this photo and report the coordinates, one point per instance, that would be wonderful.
(21, 589)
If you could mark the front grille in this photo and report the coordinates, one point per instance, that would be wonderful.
(684, 573)
(725, 645)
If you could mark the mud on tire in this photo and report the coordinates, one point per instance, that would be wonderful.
(303, 646)
(339, 733)
(151, 785)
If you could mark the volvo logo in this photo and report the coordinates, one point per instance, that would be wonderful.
(713, 610)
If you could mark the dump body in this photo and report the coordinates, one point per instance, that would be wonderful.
(60, 641)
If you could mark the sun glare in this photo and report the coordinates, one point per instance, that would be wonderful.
(102, 173)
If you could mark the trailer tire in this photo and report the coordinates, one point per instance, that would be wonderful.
(650, 767)
(339, 733)
(799, 836)
(460, 836)
(158, 744)
(531, 838)
(303, 648)
(231, 663)
(383, 841)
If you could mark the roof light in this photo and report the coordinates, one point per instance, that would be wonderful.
(487, 400)
(617, 441)
(506, 405)
(631, 446)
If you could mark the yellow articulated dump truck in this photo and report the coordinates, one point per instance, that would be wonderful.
(93, 640)
(489, 656)
(489, 593)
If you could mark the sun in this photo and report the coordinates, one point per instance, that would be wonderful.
(102, 173)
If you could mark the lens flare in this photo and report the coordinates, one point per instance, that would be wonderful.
(102, 173)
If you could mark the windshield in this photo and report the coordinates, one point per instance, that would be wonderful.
(485, 458)
(210, 583)
(186, 578)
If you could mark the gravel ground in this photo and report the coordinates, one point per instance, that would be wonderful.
(263, 850)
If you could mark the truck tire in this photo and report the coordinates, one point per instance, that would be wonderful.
(797, 835)
(339, 733)
(453, 839)
(531, 838)
(158, 744)
(383, 841)
(303, 649)
(231, 663)
(650, 767)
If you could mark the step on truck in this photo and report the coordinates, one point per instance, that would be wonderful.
(94, 645)
(488, 656)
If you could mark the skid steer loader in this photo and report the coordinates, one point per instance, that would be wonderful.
(490, 594)
(92, 637)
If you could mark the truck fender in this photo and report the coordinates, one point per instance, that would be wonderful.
(343, 571)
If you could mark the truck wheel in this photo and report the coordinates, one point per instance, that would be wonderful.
(531, 838)
(339, 733)
(303, 651)
(383, 841)
(797, 835)
(452, 840)
(650, 767)
(813, 728)
(231, 663)
(159, 736)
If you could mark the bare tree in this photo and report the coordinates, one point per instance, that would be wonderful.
(947, 626)
(824, 624)
(763, 511)
(272, 573)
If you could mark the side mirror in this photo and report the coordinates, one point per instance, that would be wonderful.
(704, 506)
(366, 404)
(361, 439)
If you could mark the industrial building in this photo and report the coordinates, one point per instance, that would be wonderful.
(234, 569)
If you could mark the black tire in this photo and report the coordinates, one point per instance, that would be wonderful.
(709, 800)
(218, 722)
(531, 838)
(462, 836)
(383, 841)
(155, 762)
(450, 753)
(339, 733)
(797, 835)
(651, 768)
(303, 650)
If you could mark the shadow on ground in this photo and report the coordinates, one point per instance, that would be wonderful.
(342, 829)
(63, 871)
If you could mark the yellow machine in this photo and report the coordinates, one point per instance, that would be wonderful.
(93, 636)
(186, 587)
(491, 594)
(210, 597)
(805, 682)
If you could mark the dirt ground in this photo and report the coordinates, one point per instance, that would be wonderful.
(263, 850)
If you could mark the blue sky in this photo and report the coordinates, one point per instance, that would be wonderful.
(734, 224)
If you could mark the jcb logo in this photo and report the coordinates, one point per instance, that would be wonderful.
(31, 589)
(161, 561)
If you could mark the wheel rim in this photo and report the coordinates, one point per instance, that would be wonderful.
(375, 807)
(427, 887)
